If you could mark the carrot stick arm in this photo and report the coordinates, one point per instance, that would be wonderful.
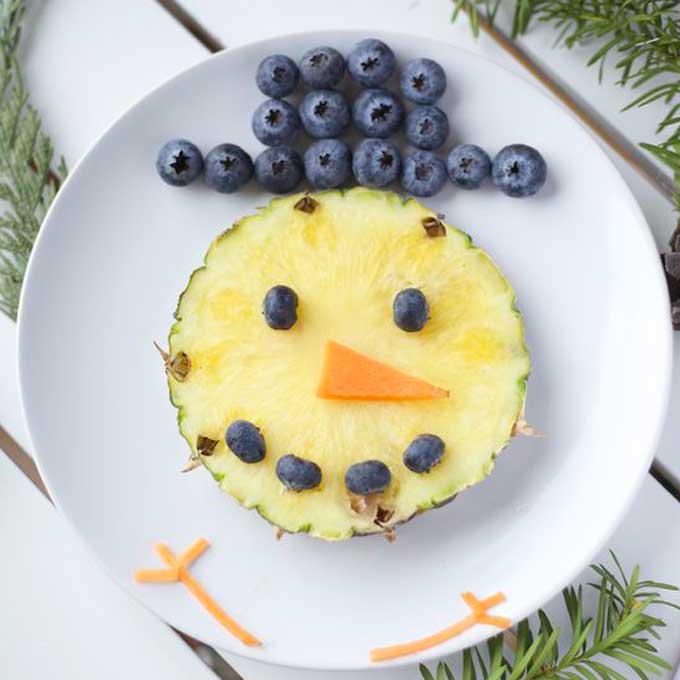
(193, 552)
(492, 601)
(478, 615)
(498, 621)
(166, 554)
(157, 575)
(215, 610)
(472, 602)
(395, 651)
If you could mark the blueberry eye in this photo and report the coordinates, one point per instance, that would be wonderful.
(410, 310)
(280, 308)
(298, 474)
(245, 441)
(423, 453)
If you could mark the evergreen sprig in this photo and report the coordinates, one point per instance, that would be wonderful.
(28, 182)
(617, 635)
(642, 36)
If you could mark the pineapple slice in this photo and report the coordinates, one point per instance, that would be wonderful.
(346, 255)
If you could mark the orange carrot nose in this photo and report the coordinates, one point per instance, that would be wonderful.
(347, 374)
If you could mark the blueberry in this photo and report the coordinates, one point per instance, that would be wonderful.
(279, 169)
(518, 170)
(298, 474)
(423, 174)
(371, 62)
(376, 163)
(427, 127)
(227, 168)
(410, 310)
(422, 81)
(371, 476)
(277, 76)
(469, 166)
(280, 308)
(328, 163)
(423, 453)
(246, 441)
(275, 122)
(322, 67)
(179, 162)
(377, 113)
(324, 113)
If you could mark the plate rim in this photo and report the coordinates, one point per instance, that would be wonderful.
(665, 358)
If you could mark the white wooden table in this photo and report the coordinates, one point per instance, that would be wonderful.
(85, 63)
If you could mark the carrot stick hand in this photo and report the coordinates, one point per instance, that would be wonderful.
(478, 615)
(178, 570)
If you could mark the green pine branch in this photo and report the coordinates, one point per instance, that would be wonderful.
(641, 37)
(28, 180)
(619, 634)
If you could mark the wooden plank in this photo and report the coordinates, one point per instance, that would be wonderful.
(63, 618)
(86, 63)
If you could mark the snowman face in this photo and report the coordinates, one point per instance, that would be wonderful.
(352, 364)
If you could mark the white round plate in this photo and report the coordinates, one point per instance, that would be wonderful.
(115, 253)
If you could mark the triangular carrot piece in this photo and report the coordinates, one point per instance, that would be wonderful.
(347, 374)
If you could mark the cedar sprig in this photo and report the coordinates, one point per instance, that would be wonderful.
(28, 180)
(642, 37)
(618, 636)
